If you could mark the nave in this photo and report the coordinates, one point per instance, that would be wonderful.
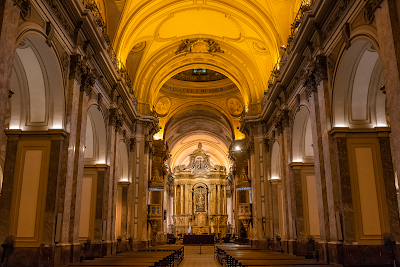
(227, 255)
(133, 124)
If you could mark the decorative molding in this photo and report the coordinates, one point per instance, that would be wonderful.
(87, 81)
(132, 144)
(266, 144)
(25, 8)
(55, 7)
(336, 17)
(198, 46)
(315, 73)
(49, 33)
(346, 35)
(369, 9)
(279, 128)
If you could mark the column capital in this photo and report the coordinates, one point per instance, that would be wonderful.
(87, 81)
(315, 73)
(132, 145)
(266, 144)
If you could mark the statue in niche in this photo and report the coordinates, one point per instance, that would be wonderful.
(200, 194)
(199, 166)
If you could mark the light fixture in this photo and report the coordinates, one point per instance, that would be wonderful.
(156, 189)
(243, 188)
(237, 148)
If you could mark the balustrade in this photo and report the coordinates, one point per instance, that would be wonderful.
(116, 61)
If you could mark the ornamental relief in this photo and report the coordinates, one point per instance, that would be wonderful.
(235, 107)
(198, 46)
(163, 106)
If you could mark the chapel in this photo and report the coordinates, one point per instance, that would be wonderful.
(132, 125)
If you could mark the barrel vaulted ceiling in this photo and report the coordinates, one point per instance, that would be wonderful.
(146, 34)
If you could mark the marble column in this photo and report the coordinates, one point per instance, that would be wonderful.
(109, 183)
(118, 130)
(145, 147)
(9, 18)
(99, 213)
(134, 158)
(317, 86)
(318, 160)
(224, 198)
(124, 210)
(388, 29)
(54, 173)
(269, 226)
(274, 208)
(175, 200)
(87, 82)
(299, 216)
(390, 189)
(8, 182)
(218, 198)
(182, 199)
(67, 184)
(346, 196)
(285, 185)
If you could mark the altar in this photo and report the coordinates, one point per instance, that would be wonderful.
(200, 196)
(198, 239)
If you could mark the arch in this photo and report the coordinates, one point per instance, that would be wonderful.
(162, 65)
(275, 162)
(357, 101)
(302, 150)
(37, 82)
(95, 151)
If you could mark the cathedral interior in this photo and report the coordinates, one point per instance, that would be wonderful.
(270, 124)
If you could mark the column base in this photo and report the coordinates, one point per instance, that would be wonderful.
(96, 250)
(45, 256)
(262, 244)
(106, 248)
(292, 247)
(137, 245)
(285, 246)
(366, 255)
(76, 252)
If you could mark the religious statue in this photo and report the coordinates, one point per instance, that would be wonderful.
(200, 199)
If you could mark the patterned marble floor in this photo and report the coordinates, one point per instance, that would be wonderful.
(193, 258)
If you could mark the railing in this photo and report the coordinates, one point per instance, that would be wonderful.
(245, 209)
(155, 210)
(117, 63)
(306, 5)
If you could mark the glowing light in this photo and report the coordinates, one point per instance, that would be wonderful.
(274, 178)
(237, 148)
(57, 126)
(157, 137)
(340, 125)
(297, 161)
(381, 125)
(243, 188)
(101, 162)
(156, 189)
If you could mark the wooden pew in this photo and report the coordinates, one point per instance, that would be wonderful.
(236, 256)
(163, 256)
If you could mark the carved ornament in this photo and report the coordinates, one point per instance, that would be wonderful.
(369, 9)
(24, 7)
(198, 46)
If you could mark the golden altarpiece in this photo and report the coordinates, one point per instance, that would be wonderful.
(200, 196)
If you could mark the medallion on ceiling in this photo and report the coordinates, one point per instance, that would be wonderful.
(163, 105)
(235, 107)
(198, 46)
